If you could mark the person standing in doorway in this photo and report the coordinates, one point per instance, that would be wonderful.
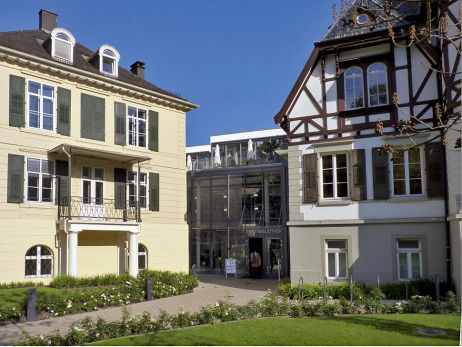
(255, 263)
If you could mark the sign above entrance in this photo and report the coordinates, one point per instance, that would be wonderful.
(253, 232)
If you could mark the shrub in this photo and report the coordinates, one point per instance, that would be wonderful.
(452, 303)
(27, 284)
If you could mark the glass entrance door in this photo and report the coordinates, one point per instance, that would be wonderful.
(273, 257)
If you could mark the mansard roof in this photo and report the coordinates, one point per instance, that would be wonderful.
(345, 26)
(32, 42)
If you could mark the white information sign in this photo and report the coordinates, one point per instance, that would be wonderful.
(230, 265)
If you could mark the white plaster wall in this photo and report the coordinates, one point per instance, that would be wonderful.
(370, 208)
(329, 66)
(400, 55)
(402, 86)
(331, 97)
(419, 68)
(314, 84)
(303, 107)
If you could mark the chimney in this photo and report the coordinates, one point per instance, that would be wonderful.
(137, 68)
(48, 20)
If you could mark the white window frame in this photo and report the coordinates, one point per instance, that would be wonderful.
(39, 258)
(406, 174)
(336, 251)
(109, 52)
(345, 78)
(137, 122)
(408, 252)
(386, 84)
(70, 41)
(142, 254)
(93, 180)
(334, 173)
(41, 175)
(41, 98)
(135, 183)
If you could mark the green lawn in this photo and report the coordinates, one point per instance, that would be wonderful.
(341, 330)
(18, 296)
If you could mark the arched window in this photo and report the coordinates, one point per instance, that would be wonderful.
(377, 84)
(39, 262)
(108, 60)
(354, 93)
(142, 257)
(63, 43)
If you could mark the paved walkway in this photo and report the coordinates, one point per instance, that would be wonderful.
(211, 289)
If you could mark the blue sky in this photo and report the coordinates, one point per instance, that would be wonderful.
(237, 59)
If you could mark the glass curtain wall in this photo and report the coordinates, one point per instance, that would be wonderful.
(224, 207)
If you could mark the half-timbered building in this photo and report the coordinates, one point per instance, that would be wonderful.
(354, 212)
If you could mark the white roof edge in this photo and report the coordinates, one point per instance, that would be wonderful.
(247, 135)
(197, 149)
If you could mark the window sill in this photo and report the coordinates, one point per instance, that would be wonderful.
(334, 202)
(408, 199)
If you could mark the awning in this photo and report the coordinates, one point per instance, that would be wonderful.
(80, 151)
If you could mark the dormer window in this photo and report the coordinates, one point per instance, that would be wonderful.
(62, 45)
(108, 61)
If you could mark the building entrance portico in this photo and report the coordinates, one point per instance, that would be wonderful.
(83, 243)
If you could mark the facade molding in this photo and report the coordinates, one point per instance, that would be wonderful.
(366, 221)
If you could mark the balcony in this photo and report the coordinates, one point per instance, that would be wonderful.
(199, 164)
(97, 209)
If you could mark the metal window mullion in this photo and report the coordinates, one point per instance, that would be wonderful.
(406, 173)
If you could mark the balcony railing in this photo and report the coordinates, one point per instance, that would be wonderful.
(209, 163)
(97, 209)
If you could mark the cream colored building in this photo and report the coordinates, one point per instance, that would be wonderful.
(77, 122)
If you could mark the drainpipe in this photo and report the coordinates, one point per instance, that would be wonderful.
(138, 208)
(69, 168)
(446, 213)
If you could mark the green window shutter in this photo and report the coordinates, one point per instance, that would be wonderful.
(153, 191)
(310, 178)
(357, 159)
(86, 116)
(64, 111)
(380, 174)
(153, 135)
(119, 188)
(92, 121)
(434, 165)
(62, 182)
(119, 123)
(15, 189)
(17, 101)
(100, 117)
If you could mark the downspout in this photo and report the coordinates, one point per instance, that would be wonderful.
(446, 213)
(69, 167)
(138, 208)
(68, 207)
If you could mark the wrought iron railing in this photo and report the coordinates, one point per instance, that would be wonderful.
(97, 209)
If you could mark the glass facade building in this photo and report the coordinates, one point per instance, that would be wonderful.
(238, 205)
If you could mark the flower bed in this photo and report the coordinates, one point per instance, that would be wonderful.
(88, 331)
(124, 291)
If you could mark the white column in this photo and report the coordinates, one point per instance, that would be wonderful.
(133, 249)
(73, 258)
(122, 255)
